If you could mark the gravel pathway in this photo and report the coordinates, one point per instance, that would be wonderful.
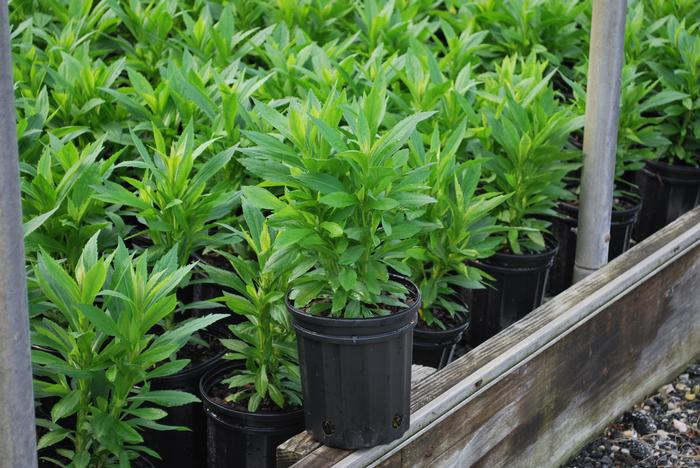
(663, 430)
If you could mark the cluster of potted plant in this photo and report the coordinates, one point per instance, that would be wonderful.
(237, 211)
(670, 184)
(525, 140)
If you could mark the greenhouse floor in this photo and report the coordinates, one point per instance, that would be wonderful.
(662, 430)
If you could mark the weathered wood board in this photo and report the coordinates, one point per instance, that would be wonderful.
(535, 393)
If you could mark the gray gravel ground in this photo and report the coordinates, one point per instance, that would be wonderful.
(661, 431)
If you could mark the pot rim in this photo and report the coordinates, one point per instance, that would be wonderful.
(370, 321)
(214, 376)
(549, 241)
(677, 173)
(439, 333)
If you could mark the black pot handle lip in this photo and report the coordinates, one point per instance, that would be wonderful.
(521, 270)
(355, 340)
(242, 428)
(669, 179)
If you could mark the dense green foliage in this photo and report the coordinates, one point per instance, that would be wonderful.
(98, 354)
(369, 137)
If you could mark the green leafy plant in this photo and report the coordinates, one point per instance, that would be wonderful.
(98, 361)
(177, 199)
(352, 203)
(678, 67)
(526, 136)
(465, 228)
(265, 341)
(639, 137)
(60, 215)
(554, 29)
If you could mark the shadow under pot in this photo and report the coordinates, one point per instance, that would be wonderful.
(518, 288)
(668, 191)
(238, 438)
(356, 374)
(565, 227)
(186, 448)
(435, 347)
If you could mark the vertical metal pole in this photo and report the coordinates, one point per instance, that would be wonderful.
(600, 135)
(17, 431)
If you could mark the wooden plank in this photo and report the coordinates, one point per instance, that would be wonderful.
(543, 410)
(442, 393)
(302, 444)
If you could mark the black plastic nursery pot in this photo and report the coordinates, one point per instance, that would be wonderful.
(434, 347)
(564, 229)
(184, 448)
(518, 288)
(356, 375)
(668, 191)
(238, 438)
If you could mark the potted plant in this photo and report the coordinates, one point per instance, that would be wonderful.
(670, 186)
(253, 402)
(98, 354)
(465, 230)
(639, 140)
(176, 202)
(177, 206)
(526, 143)
(203, 350)
(351, 207)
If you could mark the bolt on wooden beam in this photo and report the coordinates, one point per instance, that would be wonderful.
(606, 54)
(17, 430)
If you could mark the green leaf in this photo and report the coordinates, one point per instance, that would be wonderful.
(239, 305)
(338, 199)
(167, 398)
(352, 254)
(321, 183)
(111, 192)
(261, 198)
(67, 406)
(102, 321)
(334, 229)
(186, 329)
(383, 204)
(52, 438)
(36, 222)
(292, 236)
(347, 278)
(391, 141)
(261, 381)
(276, 395)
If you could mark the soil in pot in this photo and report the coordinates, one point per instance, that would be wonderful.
(435, 347)
(518, 288)
(668, 191)
(237, 437)
(356, 375)
(564, 228)
(186, 448)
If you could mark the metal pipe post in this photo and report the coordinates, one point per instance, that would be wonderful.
(600, 135)
(17, 430)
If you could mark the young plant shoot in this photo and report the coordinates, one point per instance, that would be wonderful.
(265, 340)
(465, 228)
